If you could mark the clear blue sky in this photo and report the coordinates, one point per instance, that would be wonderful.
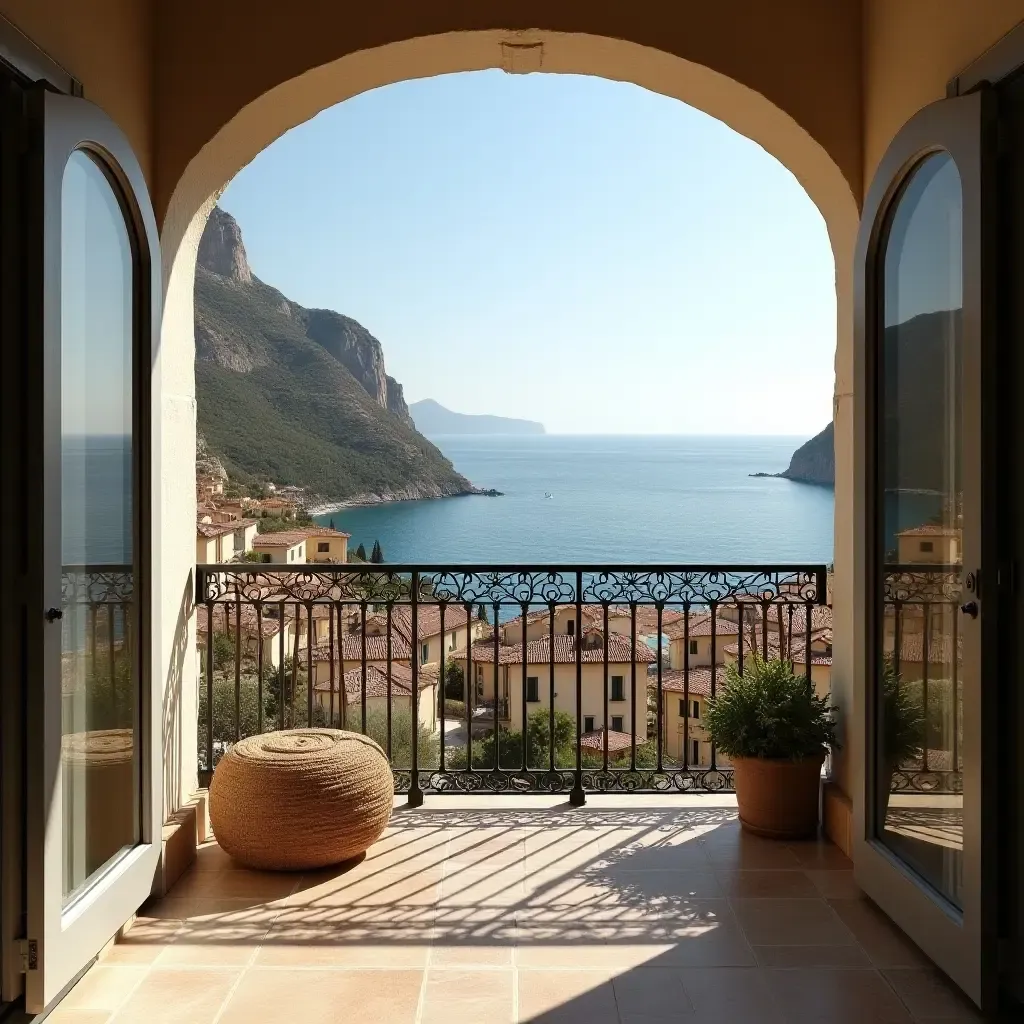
(567, 249)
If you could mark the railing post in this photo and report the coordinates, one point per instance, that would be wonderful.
(577, 798)
(415, 793)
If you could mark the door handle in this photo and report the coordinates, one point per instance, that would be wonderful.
(53, 614)
(970, 608)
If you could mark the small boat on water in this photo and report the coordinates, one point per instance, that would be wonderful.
(548, 494)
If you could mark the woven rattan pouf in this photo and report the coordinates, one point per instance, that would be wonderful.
(301, 798)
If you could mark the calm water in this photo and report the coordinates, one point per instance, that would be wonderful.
(614, 499)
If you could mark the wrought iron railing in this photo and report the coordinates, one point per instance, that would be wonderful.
(921, 620)
(562, 676)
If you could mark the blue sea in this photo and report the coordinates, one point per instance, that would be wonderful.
(622, 499)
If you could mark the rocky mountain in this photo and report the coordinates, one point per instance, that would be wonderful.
(434, 420)
(921, 398)
(814, 462)
(300, 396)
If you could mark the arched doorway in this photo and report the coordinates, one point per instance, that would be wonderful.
(285, 105)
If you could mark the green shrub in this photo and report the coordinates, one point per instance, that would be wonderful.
(429, 744)
(454, 682)
(769, 712)
(903, 717)
(454, 709)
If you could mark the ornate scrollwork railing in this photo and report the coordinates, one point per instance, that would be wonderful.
(373, 648)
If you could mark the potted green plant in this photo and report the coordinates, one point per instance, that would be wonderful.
(903, 729)
(776, 731)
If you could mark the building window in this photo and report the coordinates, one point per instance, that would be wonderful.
(531, 688)
(570, 627)
(266, 556)
(323, 546)
(424, 653)
(682, 708)
(696, 710)
(693, 646)
(239, 540)
(291, 556)
(617, 723)
(696, 752)
(618, 688)
(927, 545)
(588, 723)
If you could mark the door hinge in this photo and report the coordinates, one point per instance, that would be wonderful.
(28, 949)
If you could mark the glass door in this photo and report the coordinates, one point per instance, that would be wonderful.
(93, 708)
(924, 829)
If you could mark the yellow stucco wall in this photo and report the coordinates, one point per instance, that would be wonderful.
(337, 549)
(510, 684)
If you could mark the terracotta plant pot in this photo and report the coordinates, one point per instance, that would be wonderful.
(778, 799)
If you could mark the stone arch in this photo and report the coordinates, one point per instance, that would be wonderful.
(185, 206)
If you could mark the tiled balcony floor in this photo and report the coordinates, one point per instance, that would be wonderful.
(629, 910)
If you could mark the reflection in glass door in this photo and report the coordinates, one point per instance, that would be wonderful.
(99, 657)
(919, 801)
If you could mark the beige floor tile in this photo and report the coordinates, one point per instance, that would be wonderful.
(143, 943)
(739, 849)
(669, 852)
(393, 887)
(812, 956)
(281, 996)
(651, 992)
(566, 997)
(836, 996)
(790, 922)
(835, 885)
(928, 995)
(329, 946)
(234, 883)
(733, 994)
(468, 997)
(881, 939)
(466, 887)
(213, 944)
(178, 997)
(669, 886)
(569, 888)
(473, 937)
(821, 855)
(468, 954)
(104, 988)
(67, 1016)
(486, 848)
(752, 883)
(203, 908)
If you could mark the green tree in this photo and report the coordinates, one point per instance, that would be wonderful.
(361, 552)
(332, 526)
(428, 743)
(481, 612)
(454, 682)
(377, 555)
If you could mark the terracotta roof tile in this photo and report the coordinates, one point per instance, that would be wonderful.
(323, 531)
(617, 741)
(699, 683)
(210, 530)
(377, 682)
(285, 539)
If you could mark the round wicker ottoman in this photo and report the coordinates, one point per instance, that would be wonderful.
(300, 798)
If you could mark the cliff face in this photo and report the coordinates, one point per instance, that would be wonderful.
(222, 252)
(815, 461)
(300, 396)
